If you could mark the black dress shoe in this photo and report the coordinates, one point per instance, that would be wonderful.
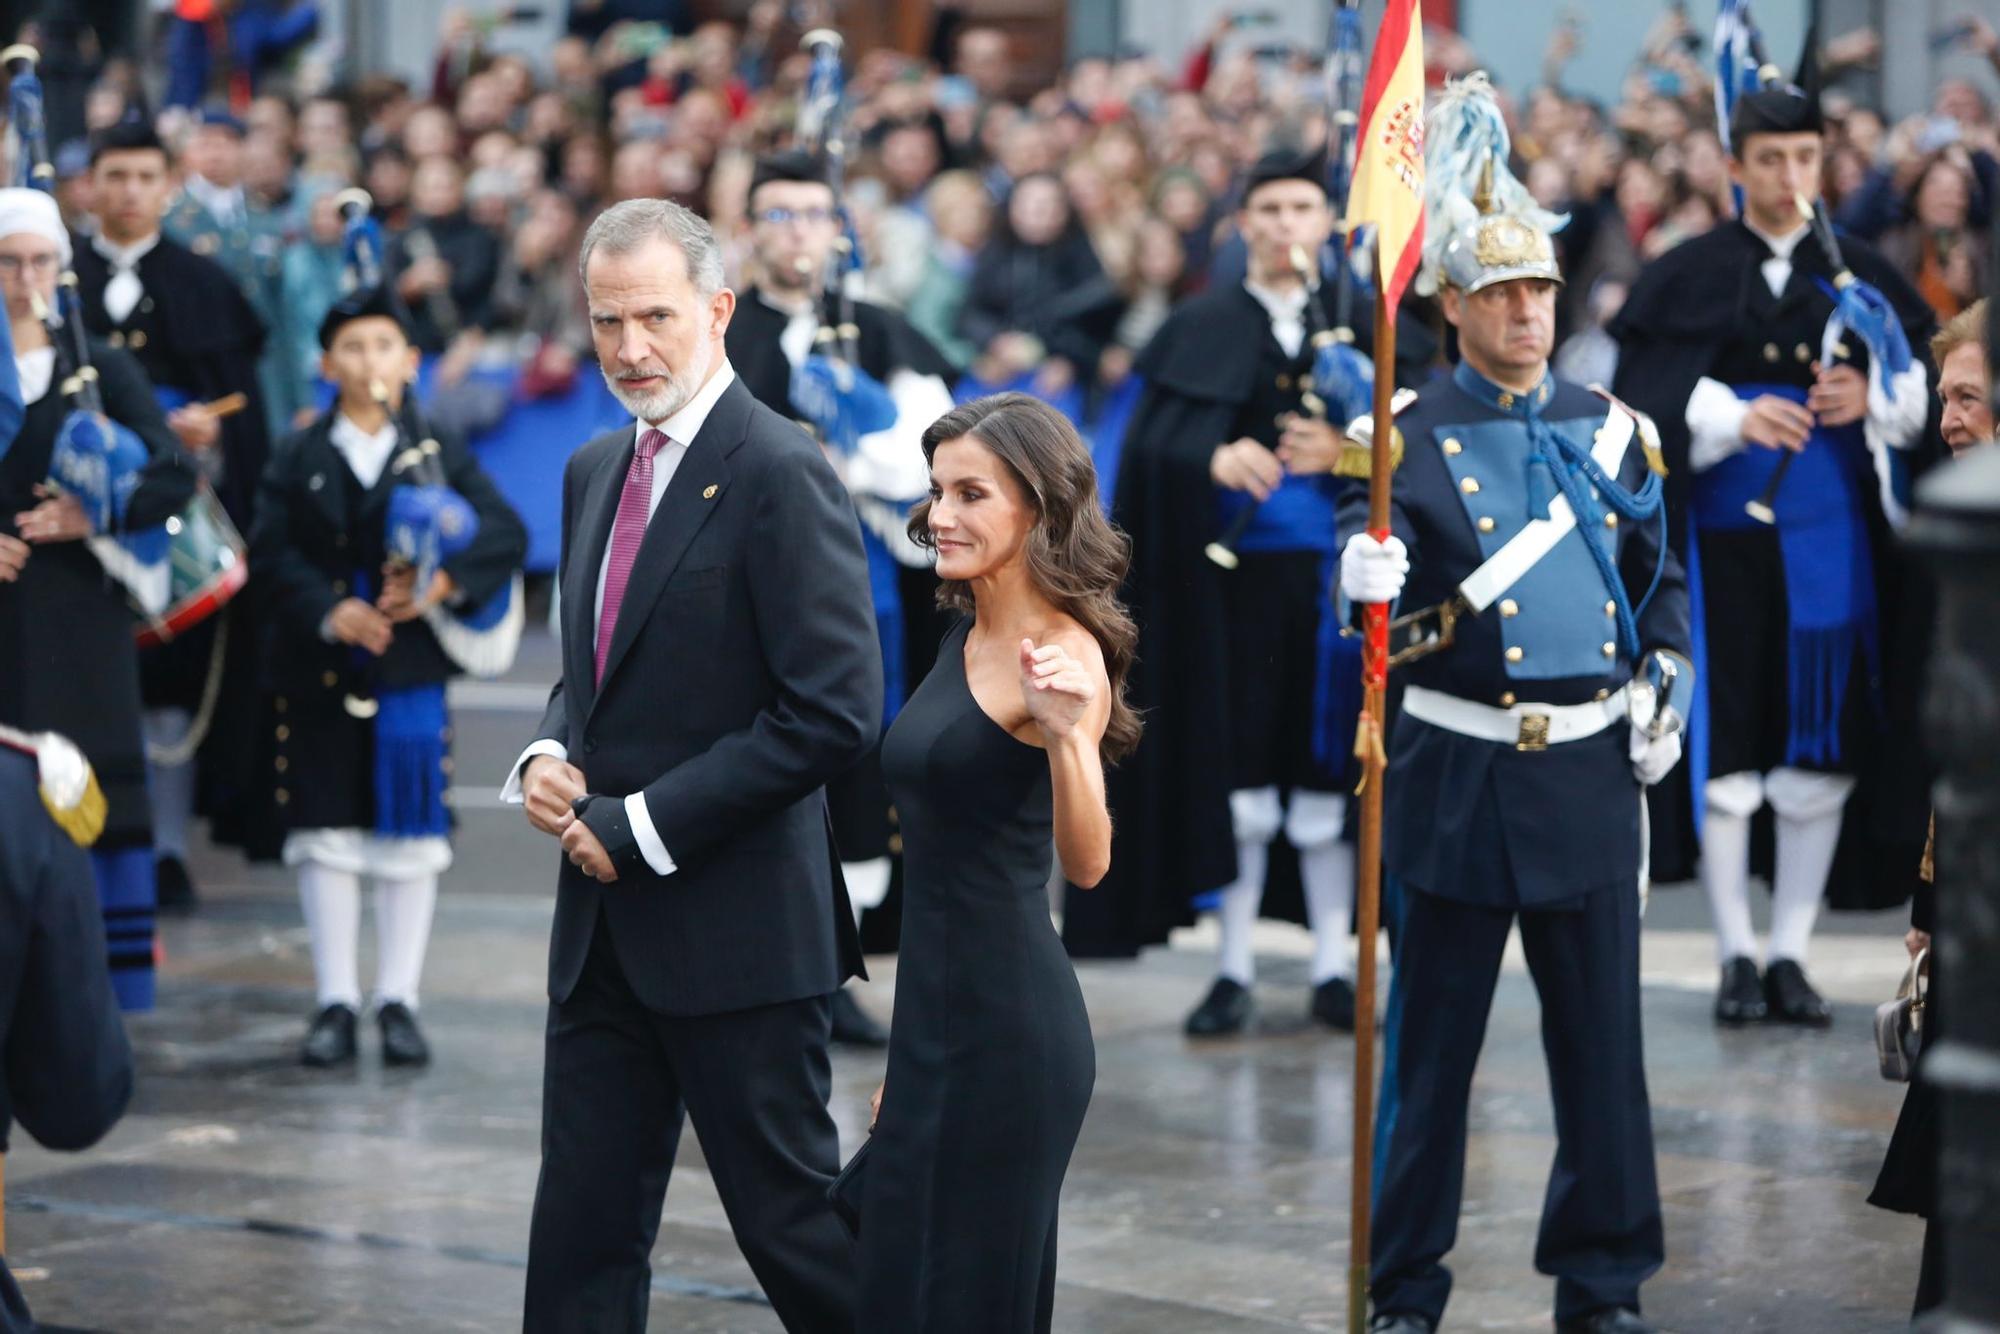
(1226, 1009)
(1792, 998)
(1740, 999)
(402, 1041)
(176, 890)
(852, 1026)
(1333, 1004)
(1400, 1322)
(330, 1040)
(1610, 1320)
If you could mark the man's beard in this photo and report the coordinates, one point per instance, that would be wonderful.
(674, 392)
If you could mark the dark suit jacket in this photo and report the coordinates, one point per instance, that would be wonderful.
(744, 674)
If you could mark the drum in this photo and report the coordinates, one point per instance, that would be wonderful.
(206, 566)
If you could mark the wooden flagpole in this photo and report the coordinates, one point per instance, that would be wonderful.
(1374, 761)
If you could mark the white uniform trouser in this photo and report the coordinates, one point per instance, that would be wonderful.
(1326, 869)
(404, 906)
(1808, 807)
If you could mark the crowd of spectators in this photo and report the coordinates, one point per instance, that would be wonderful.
(1032, 232)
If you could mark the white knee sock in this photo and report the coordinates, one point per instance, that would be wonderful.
(332, 903)
(1256, 816)
(1328, 874)
(867, 884)
(1237, 914)
(169, 787)
(403, 908)
(1725, 861)
(1326, 870)
(1809, 807)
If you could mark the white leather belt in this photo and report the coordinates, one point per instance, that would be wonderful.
(1524, 726)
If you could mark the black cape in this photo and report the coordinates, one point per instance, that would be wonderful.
(1170, 799)
(885, 343)
(1684, 306)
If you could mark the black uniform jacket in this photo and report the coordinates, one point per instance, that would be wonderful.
(886, 344)
(65, 1064)
(68, 663)
(1170, 798)
(1692, 308)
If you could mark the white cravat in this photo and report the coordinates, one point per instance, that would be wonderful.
(1777, 270)
(124, 288)
(366, 454)
(36, 370)
(680, 430)
(1287, 311)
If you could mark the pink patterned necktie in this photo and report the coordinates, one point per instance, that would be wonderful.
(628, 530)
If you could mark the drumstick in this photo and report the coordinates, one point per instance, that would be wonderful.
(226, 406)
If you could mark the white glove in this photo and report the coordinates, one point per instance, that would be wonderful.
(1372, 571)
(1653, 757)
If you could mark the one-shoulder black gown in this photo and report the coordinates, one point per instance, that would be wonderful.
(990, 1056)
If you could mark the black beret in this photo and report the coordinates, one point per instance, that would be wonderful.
(1286, 164)
(360, 304)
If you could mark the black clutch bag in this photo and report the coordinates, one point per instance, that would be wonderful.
(845, 1192)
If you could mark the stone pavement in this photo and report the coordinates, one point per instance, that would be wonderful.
(1208, 1195)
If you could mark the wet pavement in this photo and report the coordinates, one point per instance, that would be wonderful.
(1208, 1195)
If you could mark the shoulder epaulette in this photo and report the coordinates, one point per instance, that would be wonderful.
(67, 783)
(1649, 433)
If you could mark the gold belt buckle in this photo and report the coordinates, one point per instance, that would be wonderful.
(1534, 732)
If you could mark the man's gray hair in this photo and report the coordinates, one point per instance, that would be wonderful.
(626, 226)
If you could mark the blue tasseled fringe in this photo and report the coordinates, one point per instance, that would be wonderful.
(1822, 667)
(885, 590)
(409, 763)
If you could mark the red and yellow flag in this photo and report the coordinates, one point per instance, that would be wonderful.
(1388, 191)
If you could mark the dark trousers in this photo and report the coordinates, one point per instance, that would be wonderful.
(1601, 1233)
(617, 1082)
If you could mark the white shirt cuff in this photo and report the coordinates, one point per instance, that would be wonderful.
(1715, 423)
(1898, 415)
(510, 791)
(648, 838)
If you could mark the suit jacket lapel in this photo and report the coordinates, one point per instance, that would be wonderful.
(600, 509)
(325, 474)
(690, 498)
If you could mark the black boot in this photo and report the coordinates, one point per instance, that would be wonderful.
(1225, 1010)
(1792, 998)
(176, 890)
(1740, 998)
(1610, 1320)
(402, 1041)
(330, 1040)
(1400, 1322)
(1333, 1004)
(852, 1026)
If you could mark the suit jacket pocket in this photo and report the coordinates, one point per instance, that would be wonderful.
(695, 581)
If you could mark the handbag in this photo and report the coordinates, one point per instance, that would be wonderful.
(845, 1192)
(1899, 1023)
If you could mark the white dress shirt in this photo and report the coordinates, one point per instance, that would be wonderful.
(124, 288)
(225, 206)
(37, 370)
(680, 430)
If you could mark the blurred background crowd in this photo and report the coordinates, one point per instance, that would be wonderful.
(1035, 228)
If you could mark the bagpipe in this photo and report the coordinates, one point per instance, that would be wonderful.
(841, 401)
(177, 574)
(1341, 385)
(427, 522)
(1744, 66)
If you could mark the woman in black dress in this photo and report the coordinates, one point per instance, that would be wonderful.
(999, 755)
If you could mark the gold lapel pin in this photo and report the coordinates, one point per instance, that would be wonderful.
(708, 494)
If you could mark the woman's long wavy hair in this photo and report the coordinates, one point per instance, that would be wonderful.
(1076, 559)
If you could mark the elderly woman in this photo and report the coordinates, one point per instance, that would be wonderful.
(68, 662)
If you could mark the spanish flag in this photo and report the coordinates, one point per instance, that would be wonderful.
(1388, 191)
